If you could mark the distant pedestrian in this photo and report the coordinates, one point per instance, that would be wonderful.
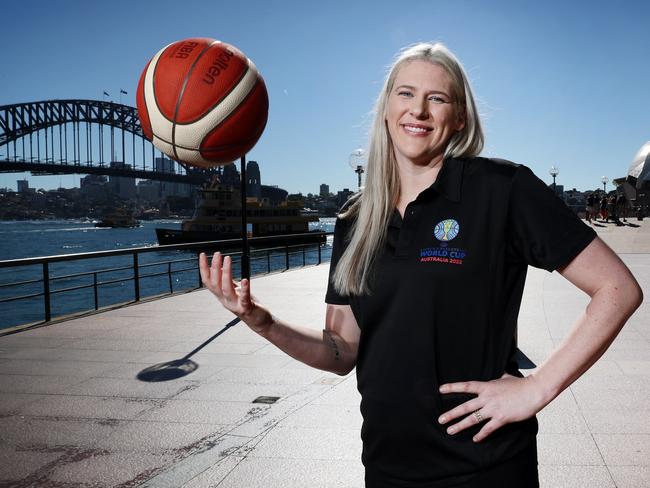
(621, 204)
(590, 210)
(603, 208)
(611, 208)
(425, 283)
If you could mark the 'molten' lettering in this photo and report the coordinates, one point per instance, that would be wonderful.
(219, 65)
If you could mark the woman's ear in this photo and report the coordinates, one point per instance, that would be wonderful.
(460, 122)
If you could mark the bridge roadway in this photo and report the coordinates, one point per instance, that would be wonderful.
(73, 414)
(39, 168)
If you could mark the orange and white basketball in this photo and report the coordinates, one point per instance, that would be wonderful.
(202, 102)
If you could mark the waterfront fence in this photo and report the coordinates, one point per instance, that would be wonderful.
(38, 290)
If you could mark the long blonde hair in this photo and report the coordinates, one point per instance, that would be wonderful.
(374, 205)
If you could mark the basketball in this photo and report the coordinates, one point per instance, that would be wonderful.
(202, 102)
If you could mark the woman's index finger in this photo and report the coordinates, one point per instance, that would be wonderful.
(204, 270)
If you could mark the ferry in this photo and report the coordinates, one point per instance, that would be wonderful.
(119, 218)
(218, 217)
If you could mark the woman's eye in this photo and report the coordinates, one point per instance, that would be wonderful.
(437, 99)
(404, 94)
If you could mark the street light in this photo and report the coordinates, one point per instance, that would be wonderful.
(554, 171)
(358, 163)
(605, 180)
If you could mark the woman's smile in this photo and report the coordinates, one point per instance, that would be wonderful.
(416, 130)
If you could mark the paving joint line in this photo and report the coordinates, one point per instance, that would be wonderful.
(194, 464)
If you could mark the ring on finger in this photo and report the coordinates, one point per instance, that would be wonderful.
(478, 415)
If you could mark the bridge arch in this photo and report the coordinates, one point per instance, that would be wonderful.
(84, 136)
(22, 119)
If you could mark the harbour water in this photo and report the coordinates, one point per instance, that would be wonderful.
(26, 239)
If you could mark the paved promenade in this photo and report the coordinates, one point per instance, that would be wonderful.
(73, 413)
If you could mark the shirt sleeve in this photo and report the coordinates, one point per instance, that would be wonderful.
(543, 231)
(338, 247)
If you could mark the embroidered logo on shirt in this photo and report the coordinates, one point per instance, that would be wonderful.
(444, 231)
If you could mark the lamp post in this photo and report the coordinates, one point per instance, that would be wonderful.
(358, 163)
(245, 255)
(554, 171)
(605, 180)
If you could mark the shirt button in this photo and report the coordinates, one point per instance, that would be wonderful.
(411, 212)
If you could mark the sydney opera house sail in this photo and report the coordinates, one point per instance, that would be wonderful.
(640, 167)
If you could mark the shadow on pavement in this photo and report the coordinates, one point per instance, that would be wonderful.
(178, 368)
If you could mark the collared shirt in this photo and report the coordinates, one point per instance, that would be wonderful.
(445, 296)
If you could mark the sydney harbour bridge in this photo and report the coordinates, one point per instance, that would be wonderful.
(84, 137)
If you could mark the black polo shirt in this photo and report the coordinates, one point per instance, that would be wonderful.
(446, 292)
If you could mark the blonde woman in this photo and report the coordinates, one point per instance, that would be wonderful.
(426, 278)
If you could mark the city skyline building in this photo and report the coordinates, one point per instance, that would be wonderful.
(122, 186)
(149, 190)
(167, 188)
(253, 180)
(22, 185)
(100, 188)
(94, 187)
(342, 196)
(229, 174)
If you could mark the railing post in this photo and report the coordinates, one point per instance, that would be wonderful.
(319, 254)
(46, 291)
(303, 256)
(136, 277)
(169, 276)
(268, 261)
(199, 270)
(286, 256)
(95, 290)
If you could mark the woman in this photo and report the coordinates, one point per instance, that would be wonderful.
(426, 278)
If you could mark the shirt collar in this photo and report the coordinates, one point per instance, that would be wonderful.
(449, 180)
(448, 184)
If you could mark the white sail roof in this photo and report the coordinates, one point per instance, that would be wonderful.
(640, 167)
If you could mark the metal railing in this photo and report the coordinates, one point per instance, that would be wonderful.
(261, 248)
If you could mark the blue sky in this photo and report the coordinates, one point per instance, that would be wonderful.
(563, 83)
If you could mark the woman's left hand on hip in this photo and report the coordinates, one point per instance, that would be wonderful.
(499, 402)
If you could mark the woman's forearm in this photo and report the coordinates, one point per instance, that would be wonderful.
(595, 329)
(321, 349)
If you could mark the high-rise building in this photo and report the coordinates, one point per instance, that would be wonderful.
(149, 190)
(123, 186)
(164, 165)
(23, 186)
(324, 190)
(94, 187)
(342, 196)
(558, 189)
(170, 188)
(253, 180)
(230, 175)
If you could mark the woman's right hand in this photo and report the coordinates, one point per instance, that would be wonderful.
(237, 299)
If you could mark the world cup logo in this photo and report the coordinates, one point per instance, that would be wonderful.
(446, 230)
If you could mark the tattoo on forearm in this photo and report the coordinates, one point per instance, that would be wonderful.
(335, 347)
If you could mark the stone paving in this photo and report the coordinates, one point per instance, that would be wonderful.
(73, 413)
